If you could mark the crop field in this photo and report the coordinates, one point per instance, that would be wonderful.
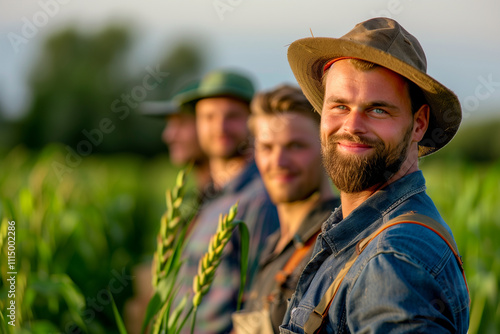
(80, 227)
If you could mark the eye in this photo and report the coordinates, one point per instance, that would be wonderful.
(263, 147)
(296, 146)
(378, 112)
(338, 109)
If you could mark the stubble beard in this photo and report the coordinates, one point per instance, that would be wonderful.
(238, 150)
(353, 173)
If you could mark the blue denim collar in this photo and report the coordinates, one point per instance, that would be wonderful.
(340, 233)
(247, 175)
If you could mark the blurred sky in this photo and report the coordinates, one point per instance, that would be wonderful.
(461, 38)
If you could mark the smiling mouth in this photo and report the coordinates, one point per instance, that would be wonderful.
(223, 139)
(283, 177)
(353, 147)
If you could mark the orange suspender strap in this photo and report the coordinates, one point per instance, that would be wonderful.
(316, 318)
(294, 260)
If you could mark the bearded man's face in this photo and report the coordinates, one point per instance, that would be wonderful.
(366, 125)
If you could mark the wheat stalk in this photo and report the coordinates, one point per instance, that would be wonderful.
(210, 261)
(169, 227)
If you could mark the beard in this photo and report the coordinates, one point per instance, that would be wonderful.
(353, 173)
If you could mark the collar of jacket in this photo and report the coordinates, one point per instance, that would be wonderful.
(340, 234)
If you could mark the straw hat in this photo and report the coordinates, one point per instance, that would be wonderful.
(385, 42)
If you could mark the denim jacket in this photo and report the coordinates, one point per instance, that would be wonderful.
(407, 280)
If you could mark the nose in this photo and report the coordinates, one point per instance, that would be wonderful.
(219, 124)
(281, 158)
(354, 122)
(169, 133)
(225, 125)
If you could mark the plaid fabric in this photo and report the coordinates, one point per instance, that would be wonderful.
(259, 214)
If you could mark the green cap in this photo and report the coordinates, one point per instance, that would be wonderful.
(177, 104)
(223, 83)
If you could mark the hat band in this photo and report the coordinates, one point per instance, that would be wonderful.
(330, 62)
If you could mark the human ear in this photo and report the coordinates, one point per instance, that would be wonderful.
(420, 122)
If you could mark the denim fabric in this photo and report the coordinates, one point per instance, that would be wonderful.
(407, 280)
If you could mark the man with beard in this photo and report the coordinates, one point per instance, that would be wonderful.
(222, 110)
(386, 261)
(288, 155)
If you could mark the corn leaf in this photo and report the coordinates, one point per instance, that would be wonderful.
(118, 318)
(245, 240)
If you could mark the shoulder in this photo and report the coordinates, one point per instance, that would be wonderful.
(413, 258)
(414, 242)
(424, 239)
(253, 197)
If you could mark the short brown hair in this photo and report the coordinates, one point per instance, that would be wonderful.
(284, 98)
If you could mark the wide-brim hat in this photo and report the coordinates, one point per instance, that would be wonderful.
(384, 42)
(179, 103)
(224, 83)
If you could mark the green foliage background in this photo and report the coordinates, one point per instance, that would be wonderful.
(75, 235)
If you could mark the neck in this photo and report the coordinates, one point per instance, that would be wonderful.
(291, 215)
(350, 201)
(224, 170)
(202, 175)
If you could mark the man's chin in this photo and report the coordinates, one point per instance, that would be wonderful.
(359, 152)
(351, 156)
(282, 199)
(226, 154)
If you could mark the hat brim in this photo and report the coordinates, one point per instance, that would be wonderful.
(308, 56)
(232, 92)
(159, 108)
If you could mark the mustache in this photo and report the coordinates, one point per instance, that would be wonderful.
(335, 138)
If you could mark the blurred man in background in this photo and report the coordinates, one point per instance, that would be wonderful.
(181, 138)
(222, 110)
(288, 155)
(180, 133)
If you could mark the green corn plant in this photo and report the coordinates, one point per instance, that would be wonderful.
(467, 197)
(29, 200)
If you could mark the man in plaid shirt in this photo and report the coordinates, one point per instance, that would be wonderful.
(222, 110)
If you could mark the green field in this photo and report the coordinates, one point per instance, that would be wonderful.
(81, 226)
